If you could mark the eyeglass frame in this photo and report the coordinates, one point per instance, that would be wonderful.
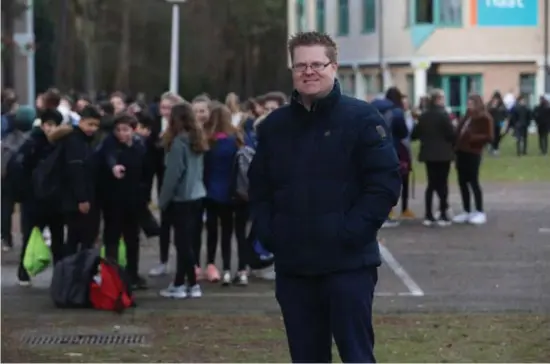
(315, 66)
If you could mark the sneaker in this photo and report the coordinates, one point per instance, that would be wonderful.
(47, 236)
(267, 274)
(23, 277)
(174, 291)
(428, 222)
(241, 279)
(462, 218)
(478, 218)
(139, 283)
(195, 291)
(212, 273)
(160, 270)
(443, 221)
(407, 215)
(198, 273)
(226, 278)
(390, 223)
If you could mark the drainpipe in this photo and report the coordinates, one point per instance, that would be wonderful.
(546, 48)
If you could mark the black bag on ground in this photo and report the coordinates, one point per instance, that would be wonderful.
(71, 279)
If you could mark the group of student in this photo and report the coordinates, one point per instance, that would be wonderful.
(444, 139)
(93, 165)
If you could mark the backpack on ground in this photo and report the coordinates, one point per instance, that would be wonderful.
(10, 145)
(110, 288)
(47, 176)
(71, 279)
(243, 158)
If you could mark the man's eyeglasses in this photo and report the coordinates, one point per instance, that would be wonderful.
(315, 66)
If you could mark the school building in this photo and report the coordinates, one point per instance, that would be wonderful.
(461, 46)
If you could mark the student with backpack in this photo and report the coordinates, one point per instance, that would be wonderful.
(181, 194)
(123, 184)
(37, 211)
(77, 181)
(10, 144)
(225, 140)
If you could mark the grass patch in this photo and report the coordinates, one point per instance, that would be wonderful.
(195, 337)
(505, 168)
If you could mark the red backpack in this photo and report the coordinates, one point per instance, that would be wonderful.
(110, 289)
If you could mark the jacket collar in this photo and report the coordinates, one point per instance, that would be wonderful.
(323, 104)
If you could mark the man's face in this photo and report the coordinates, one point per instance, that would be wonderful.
(143, 131)
(47, 127)
(313, 73)
(123, 133)
(89, 126)
(271, 105)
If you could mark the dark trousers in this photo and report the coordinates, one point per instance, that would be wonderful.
(438, 181)
(148, 223)
(467, 169)
(197, 239)
(122, 223)
(495, 144)
(8, 205)
(186, 215)
(222, 214)
(405, 178)
(317, 308)
(241, 219)
(81, 230)
(30, 218)
(521, 140)
(543, 141)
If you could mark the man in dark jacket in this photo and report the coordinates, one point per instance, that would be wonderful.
(34, 211)
(79, 178)
(324, 178)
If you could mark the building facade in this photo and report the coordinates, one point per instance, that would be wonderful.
(461, 46)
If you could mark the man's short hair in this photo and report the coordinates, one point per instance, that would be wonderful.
(126, 119)
(277, 96)
(308, 39)
(90, 112)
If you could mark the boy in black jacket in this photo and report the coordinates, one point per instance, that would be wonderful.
(34, 211)
(79, 178)
(123, 196)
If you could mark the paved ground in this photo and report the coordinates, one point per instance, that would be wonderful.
(502, 266)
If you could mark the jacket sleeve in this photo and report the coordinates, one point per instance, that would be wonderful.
(107, 151)
(175, 168)
(260, 191)
(487, 135)
(75, 153)
(448, 128)
(380, 182)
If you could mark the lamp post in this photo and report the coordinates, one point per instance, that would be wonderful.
(546, 40)
(175, 45)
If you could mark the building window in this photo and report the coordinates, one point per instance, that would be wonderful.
(527, 83)
(343, 17)
(347, 84)
(369, 16)
(320, 16)
(372, 86)
(436, 12)
(301, 16)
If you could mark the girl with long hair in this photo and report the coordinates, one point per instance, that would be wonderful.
(474, 131)
(224, 141)
(158, 129)
(181, 194)
(232, 102)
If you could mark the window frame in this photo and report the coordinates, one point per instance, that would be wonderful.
(301, 20)
(343, 13)
(320, 16)
(436, 15)
(366, 27)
